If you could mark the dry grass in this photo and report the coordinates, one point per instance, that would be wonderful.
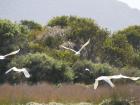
(45, 93)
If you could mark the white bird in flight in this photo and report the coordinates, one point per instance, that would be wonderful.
(107, 79)
(14, 52)
(19, 70)
(86, 69)
(77, 52)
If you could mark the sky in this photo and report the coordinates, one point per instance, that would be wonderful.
(132, 3)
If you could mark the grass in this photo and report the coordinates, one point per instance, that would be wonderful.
(67, 93)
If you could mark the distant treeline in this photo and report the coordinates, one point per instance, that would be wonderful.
(42, 55)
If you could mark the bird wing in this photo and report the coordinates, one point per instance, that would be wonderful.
(9, 70)
(14, 52)
(84, 45)
(68, 48)
(122, 76)
(87, 69)
(115, 77)
(109, 82)
(26, 73)
(96, 84)
(134, 78)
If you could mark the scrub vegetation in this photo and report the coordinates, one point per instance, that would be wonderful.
(57, 75)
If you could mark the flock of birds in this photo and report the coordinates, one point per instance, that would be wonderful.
(105, 78)
(14, 68)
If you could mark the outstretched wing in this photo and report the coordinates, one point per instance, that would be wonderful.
(14, 52)
(115, 76)
(84, 45)
(9, 70)
(134, 78)
(26, 73)
(68, 48)
(109, 82)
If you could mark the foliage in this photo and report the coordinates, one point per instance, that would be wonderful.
(33, 34)
(32, 25)
(35, 47)
(50, 38)
(65, 56)
(117, 51)
(135, 61)
(35, 30)
(115, 102)
(51, 42)
(133, 35)
(131, 71)
(57, 54)
(61, 21)
(83, 29)
(12, 37)
(42, 68)
(12, 34)
(95, 70)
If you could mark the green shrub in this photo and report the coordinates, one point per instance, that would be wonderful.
(95, 70)
(12, 37)
(131, 72)
(61, 21)
(81, 30)
(32, 25)
(135, 61)
(117, 51)
(41, 68)
(67, 56)
(115, 102)
(52, 42)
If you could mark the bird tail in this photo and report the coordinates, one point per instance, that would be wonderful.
(95, 84)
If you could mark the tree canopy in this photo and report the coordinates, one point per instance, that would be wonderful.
(12, 37)
(133, 35)
(117, 51)
(41, 52)
(32, 25)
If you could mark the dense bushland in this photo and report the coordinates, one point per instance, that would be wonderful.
(12, 37)
(95, 70)
(83, 29)
(42, 68)
(32, 25)
(41, 53)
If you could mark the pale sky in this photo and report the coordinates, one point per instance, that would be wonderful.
(132, 3)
